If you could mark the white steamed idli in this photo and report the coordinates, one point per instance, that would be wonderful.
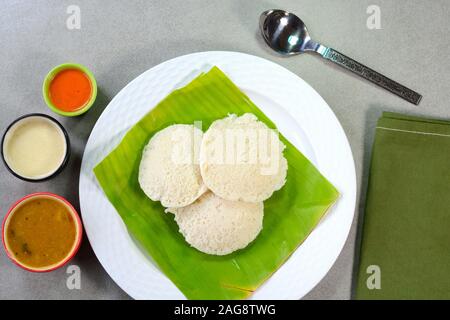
(169, 171)
(216, 226)
(241, 159)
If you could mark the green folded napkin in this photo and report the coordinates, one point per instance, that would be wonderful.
(405, 250)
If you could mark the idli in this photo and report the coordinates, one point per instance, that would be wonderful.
(169, 170)
(216, 226)
(241, 159)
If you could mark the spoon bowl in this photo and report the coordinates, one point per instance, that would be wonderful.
(285, 33)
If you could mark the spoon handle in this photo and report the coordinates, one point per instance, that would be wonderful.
(371, 75)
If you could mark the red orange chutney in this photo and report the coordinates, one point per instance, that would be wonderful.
(70, 90)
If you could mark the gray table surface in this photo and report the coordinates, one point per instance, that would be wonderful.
(119, 40)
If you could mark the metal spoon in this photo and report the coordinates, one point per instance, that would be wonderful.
(286, 33)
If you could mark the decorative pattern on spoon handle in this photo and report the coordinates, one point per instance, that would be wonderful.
(371, 75)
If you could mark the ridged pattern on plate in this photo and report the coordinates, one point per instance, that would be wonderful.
(305, 119)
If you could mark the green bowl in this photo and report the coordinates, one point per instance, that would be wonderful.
(51, 75)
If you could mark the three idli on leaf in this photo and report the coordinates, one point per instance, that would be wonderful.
(239, 159)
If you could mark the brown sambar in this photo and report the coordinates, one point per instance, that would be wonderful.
(41, 232)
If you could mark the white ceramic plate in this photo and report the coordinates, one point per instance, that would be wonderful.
(300, 114)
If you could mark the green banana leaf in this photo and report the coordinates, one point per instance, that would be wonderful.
(290, 214)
